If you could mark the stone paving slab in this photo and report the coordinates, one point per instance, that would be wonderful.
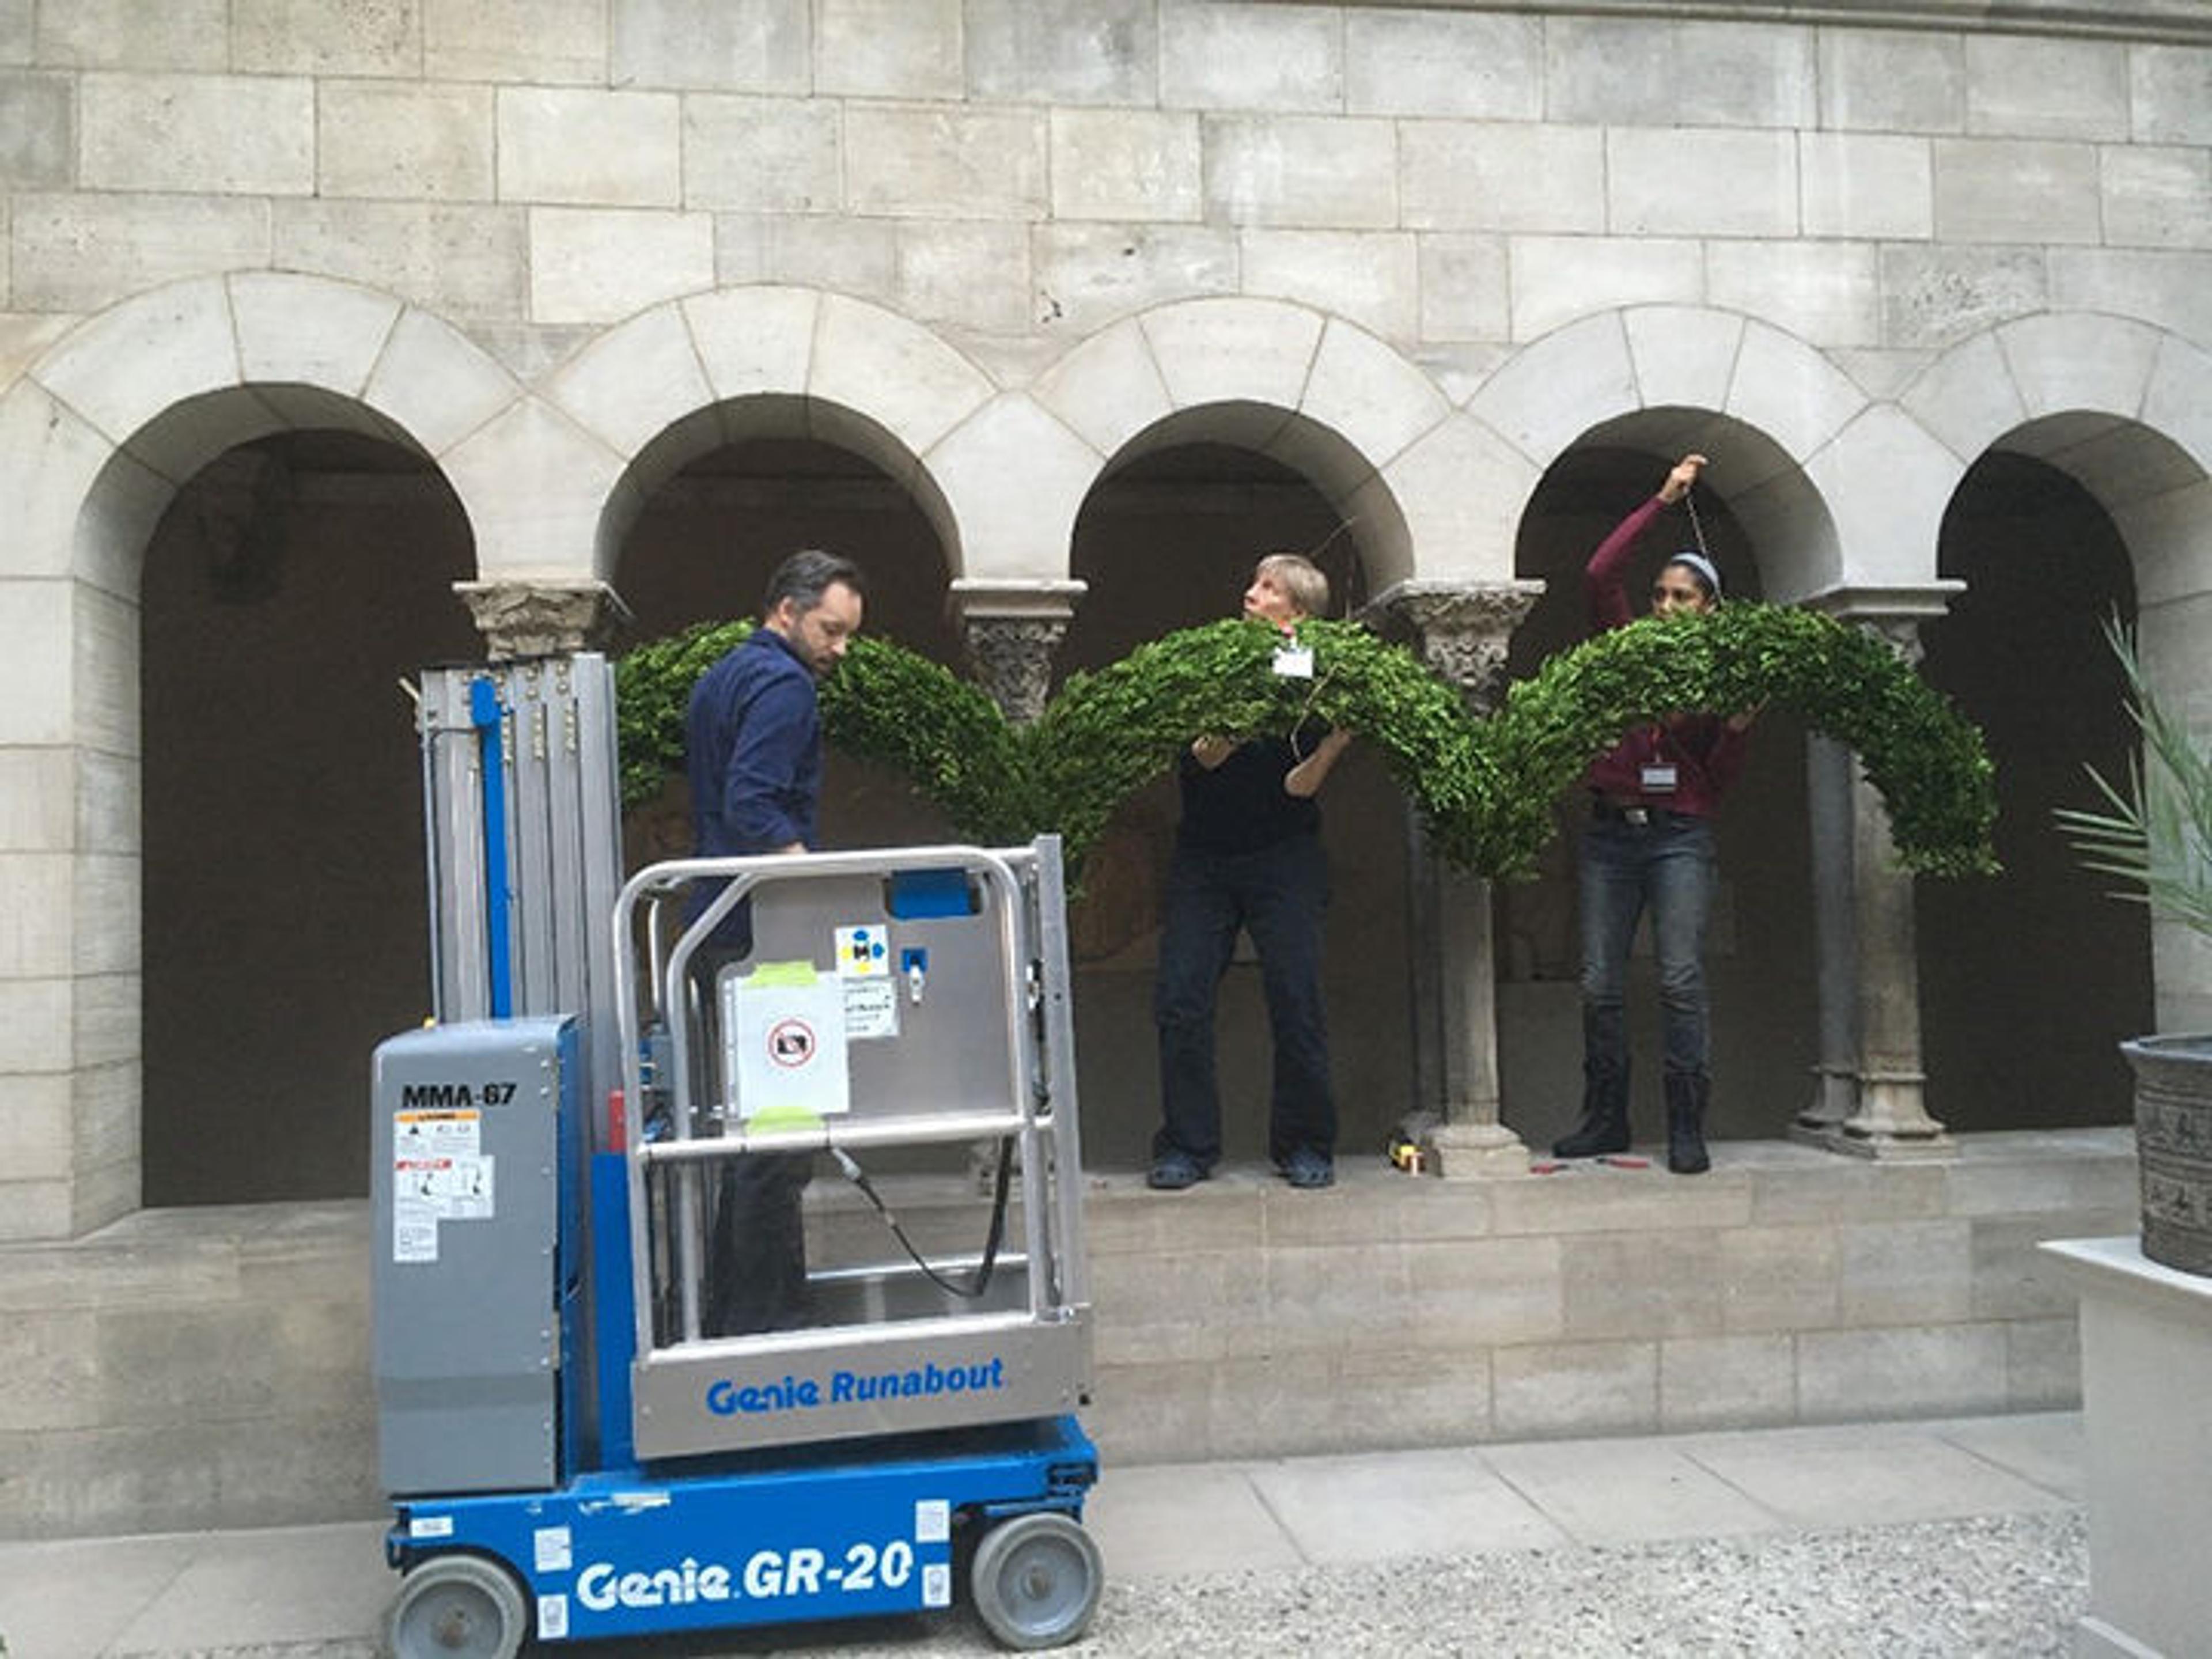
(1379, 1506)
(1174, 1519)
(75, 1596)
(1629, 1491)
(1826, 1477)
(269, 1587)
(2045, 1448)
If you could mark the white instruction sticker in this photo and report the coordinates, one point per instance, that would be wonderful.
(552, 1617)
(414, 1230)
(936, 1585)
(551, 1549)
(440, 1172)
(870, 1008)
(449, 1189)
(933, 1520)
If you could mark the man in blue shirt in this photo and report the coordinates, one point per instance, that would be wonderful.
(756, 728)
(755, 760)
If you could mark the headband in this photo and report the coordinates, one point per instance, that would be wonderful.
(1708, 572)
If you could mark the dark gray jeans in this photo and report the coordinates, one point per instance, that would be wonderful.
(1666, 866)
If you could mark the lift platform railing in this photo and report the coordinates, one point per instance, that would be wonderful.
(1012, 1083)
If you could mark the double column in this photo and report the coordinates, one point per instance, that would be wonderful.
(1461, 629)
(1868, 1091)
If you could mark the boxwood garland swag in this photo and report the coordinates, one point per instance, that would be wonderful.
(884, 704)
(1485, 788)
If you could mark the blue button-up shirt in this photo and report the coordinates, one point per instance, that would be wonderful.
(756, 750)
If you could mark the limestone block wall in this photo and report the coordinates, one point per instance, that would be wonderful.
(558, 248)
(209, 1367)
(1417, 253)
(1018, 172)
(1789, 1288)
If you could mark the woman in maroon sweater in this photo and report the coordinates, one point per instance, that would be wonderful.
(1650, 844)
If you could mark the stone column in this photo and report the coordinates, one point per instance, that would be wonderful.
(1013, 629)
(544, 617)
(1869, 1098)
(1829, 766)
(1461, 629)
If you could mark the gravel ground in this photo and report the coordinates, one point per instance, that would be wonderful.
(2009, 1587)
(2006, 1587)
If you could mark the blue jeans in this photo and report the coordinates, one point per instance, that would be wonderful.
(1667, 865)
(1279, 894)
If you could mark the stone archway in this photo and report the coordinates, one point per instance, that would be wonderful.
(1312, 392)
(1759, 960)
(2117, 407)
(1166, 540)
(1780, 421)
(94, 441)
(644, 399)
(1841, 494)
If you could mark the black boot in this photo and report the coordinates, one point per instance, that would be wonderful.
(1604, 1127)
(1685, 1122)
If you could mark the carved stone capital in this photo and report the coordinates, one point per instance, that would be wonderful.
(1461, 629)
(1013, 660)
(1011, 630)
(1900, 634)
(1892, 615)
(541, 618)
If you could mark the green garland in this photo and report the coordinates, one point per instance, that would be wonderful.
(1485, 788)
(884, 704)
(1108, 734)
(1927, 761)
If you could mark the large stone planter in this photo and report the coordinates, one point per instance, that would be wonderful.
(2173, 1143)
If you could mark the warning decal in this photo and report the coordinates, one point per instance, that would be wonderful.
(439, 1173)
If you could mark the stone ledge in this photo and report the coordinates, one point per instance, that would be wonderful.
(1238, 1319)
(2179, 20)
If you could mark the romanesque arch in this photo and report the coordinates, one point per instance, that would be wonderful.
(2117, 406)
(1787, 430)
(1315, 393)
(638, 404)
(94, 440)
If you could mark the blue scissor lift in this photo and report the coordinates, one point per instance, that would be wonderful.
(729, 1266)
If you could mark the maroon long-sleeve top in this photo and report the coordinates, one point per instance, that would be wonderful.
(1705, 753)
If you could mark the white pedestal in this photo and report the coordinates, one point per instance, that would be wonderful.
(2146, 1414)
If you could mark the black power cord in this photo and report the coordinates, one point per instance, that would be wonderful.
(980, 1280)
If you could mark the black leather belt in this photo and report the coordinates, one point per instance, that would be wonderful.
(1606, 811)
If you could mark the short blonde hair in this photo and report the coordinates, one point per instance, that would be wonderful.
(1301, 578)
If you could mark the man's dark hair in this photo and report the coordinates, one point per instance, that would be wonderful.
(807, 575)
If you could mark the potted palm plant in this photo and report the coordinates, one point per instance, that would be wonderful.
(2156, 831)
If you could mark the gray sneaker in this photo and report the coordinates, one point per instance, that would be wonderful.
(1173, 1171)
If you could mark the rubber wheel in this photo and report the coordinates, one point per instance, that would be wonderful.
(457, 1606)
(1035, 1581)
